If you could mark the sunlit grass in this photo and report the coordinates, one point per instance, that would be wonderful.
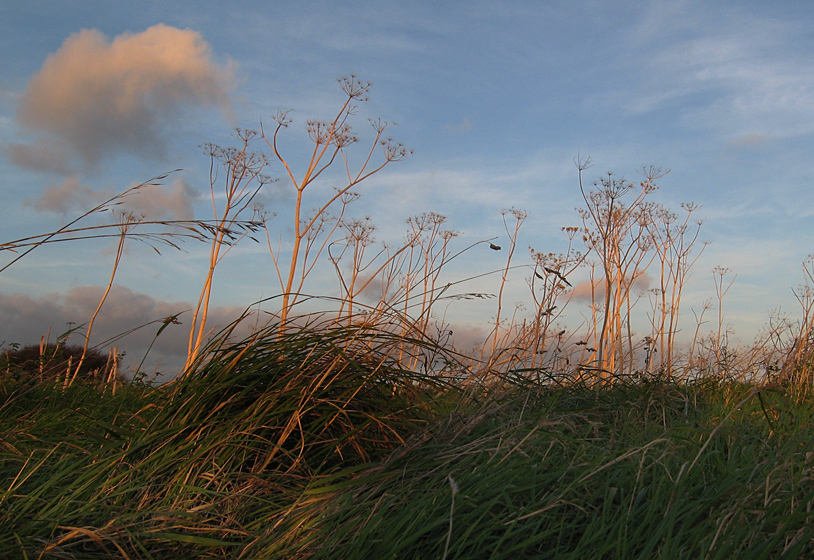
(316, 443)
(214, 460)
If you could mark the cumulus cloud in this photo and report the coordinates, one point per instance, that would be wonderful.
(172, 203)
(26, 319)
(100, 96)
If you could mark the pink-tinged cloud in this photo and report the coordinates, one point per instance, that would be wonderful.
(43, 155)
(69, 197)
(586, 290)
(173, 202)
(101, 96)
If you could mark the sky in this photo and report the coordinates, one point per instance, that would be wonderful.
(496, 100)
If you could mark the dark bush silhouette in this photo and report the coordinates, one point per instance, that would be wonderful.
(29, 362)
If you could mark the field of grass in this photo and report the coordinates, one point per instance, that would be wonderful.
(316, 443)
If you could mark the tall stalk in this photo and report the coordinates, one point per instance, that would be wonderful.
(512, 233)
(330, 138)
(617, 233)
(242, 180)
(126, 223)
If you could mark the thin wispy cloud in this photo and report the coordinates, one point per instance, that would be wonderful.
(741, 73)
(751, 257)
(751, 140)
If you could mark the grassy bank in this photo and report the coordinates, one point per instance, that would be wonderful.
(319, 444)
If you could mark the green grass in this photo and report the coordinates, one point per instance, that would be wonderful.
(588, 474)
(317, 444)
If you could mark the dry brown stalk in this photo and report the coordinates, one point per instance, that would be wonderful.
(243, 178)
(673, 242)
(331, 139)
(125, 225)
(512, 233)
(626, 233)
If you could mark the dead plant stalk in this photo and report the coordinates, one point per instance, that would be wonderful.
(330, 139)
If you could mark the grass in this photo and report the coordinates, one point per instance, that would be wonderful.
(314, 443)
(208, 462)
(578, 473)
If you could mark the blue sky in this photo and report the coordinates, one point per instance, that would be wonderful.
(495, 98)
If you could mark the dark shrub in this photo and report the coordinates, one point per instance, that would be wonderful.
(29, 362)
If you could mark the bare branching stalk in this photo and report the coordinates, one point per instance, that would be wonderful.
(673, 242)
(512, 233)
(224, 230)
(719, 274)
(798, 359)
(242, 179)
(331, 139)
(31, 243)
(626, 233)
(433, 246)
(699, 322)
(618, 234)
(551, 293)
(387, 266)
